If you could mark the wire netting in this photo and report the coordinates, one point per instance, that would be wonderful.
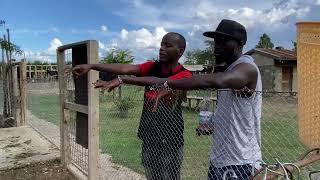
(43, 108)
(170, 143)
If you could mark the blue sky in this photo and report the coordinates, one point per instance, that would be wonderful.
(39, 27)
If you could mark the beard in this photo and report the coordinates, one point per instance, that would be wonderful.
(220, 60)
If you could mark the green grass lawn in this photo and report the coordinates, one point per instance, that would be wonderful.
(45, 106)
(119, 135)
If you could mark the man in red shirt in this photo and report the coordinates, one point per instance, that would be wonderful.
(161, 131)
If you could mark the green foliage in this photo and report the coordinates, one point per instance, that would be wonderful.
(294, 43)
(123, 105)
(198, 56)
(118, 56)
(9, 46)
(265, 42)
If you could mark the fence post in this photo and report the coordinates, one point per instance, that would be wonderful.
(16, 100)
(93, 114)
(64, 145)
(23, 91)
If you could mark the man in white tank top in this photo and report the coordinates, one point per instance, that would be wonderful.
(237, 134)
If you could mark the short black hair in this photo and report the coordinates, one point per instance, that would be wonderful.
(181, 40)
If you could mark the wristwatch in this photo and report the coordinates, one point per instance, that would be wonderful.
(165, 84)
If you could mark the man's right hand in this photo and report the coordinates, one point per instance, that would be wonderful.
(205, 129)
(82, 69)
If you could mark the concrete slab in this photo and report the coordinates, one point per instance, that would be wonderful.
(108, 169)
(22, 146)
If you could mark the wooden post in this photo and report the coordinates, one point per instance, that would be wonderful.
(29, 72)
(16, 99)
(64, 145)
(41, 74)
(23, 92)
(93, 113)
(86, 106)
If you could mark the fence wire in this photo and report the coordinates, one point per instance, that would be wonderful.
(170, 143)
(125, 155)
(43, 108)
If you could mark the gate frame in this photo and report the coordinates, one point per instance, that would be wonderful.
(92, 109)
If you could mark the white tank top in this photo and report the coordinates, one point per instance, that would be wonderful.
(237, 133)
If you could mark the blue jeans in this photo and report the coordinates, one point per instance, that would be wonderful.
(242, 172)
(162, 163)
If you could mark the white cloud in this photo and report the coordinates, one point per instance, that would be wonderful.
(40, 56)
(54, 44)
(141, 39)
(279, 14)
(48, 55)
(317, 2)
(195, 15)
(143, 43)
(101, 45)
(124, 34)
(104, 28)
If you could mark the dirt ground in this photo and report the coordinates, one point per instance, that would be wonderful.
(51, 170)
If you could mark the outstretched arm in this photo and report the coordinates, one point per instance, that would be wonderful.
(129, 69)
(139, 81)
(238, 78)
(143, 81)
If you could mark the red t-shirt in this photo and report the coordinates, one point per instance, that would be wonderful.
(178, 73)
(166, 125)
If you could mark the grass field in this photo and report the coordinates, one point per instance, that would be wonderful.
(118, 135)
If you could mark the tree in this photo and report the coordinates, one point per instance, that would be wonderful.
(265, 42)
(198, 56)
(9, 46)
(118, 56)
(294, 46)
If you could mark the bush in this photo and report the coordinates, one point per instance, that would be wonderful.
(123, 105)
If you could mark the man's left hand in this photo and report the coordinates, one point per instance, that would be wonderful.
(107, 85)
(164, 94)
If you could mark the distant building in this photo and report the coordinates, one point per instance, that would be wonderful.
(278, 68)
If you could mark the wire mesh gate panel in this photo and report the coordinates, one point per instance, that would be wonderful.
(182, 151)
(80, 110)
(308, 51)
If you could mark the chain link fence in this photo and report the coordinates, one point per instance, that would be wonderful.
(43, 108)
(169, 143)
(123, 153)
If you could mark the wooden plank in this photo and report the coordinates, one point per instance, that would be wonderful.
(16, 99)
(76, 107)
(35, 72)
(76, 172)
(93, 114)
(72, 45)
(23, 91)
(65, 159)
(80, 56)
